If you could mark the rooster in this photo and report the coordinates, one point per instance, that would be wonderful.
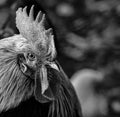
(32, 83)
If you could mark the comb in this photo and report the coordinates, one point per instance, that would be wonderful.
(27, 26)
(33, 29)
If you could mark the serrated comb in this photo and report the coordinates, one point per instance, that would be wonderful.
(27, 26)
(34, 29)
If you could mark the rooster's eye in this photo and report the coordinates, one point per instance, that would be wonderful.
(31, 56)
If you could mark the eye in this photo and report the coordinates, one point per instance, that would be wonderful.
(31, 56)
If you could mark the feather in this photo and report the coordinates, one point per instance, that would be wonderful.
(14, 86)
(49, 89)
(65, 103)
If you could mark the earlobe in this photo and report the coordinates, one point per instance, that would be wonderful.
(23, 67)
(27, 71)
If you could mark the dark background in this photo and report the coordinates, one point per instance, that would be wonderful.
(87, 36)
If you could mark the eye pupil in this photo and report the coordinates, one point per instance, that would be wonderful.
(31, 56)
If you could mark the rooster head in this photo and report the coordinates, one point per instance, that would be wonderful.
(26, 61)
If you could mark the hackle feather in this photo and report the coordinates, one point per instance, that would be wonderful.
(14, 86)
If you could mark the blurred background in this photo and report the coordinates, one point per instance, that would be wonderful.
(87, 38)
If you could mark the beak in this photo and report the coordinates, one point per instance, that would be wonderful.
(45, 83)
